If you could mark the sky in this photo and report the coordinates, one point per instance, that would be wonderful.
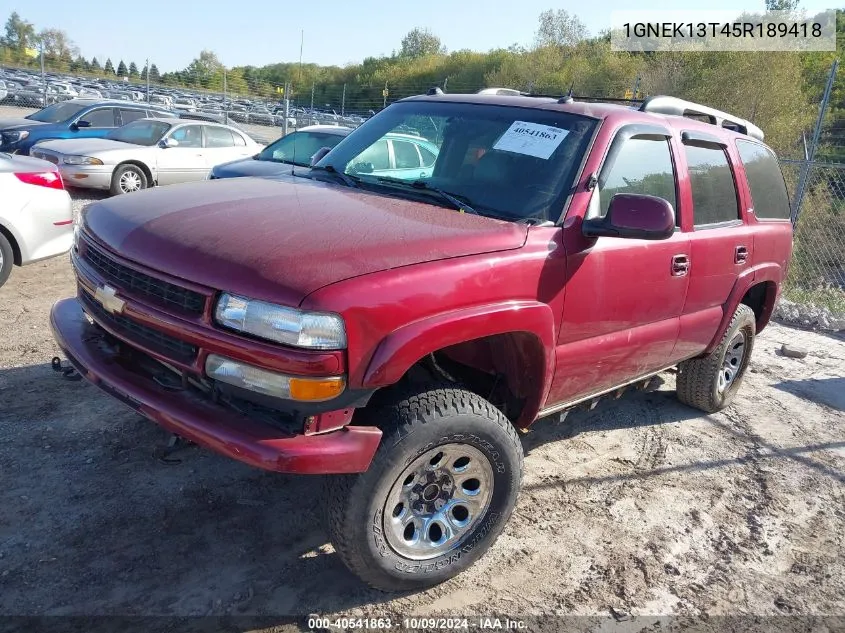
(171, 33)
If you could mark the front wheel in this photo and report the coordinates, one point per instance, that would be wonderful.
(128, 179)
(437, 495)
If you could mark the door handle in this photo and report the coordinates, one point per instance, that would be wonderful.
(740, 255)
(680, 265)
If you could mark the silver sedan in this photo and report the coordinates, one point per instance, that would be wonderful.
(145, 153)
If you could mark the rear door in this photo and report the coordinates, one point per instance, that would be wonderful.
(127, 115)
(624, 297)
(186, 161)
(720, 240)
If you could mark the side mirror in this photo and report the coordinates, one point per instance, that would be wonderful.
(168, 142)
(634, 216)
(318, 156)
(82, 123)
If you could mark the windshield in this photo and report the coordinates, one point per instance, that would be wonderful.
(57, 112)
(146, 133)
(502, 161)
(299, 147)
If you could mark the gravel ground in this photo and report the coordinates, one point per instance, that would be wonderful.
(640, 507)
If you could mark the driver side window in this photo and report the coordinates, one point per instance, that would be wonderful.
(101, 117)
(188, 136)
(643, 165)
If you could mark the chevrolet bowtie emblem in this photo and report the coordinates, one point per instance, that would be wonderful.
(109, 300)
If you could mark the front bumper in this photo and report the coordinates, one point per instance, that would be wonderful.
(88, 176)
(348, 450)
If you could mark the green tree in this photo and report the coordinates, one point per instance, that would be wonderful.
(109, 67)
(20, 34)
(782, 5)
(122, 70)
(133, 70)
(419, 43)
(154, 74)
(95, 66)
(559, 28)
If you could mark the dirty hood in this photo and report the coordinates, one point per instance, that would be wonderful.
(281, 240)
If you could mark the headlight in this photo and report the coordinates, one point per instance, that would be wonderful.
(271, 383)
(81, 160)
(14, 137)
(314, 330)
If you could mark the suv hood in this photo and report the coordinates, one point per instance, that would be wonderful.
(281, 240)
(16, 124)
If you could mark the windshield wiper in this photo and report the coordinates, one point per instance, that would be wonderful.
(451, 198)
(349, 181)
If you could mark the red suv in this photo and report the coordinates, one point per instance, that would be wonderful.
(400, 331)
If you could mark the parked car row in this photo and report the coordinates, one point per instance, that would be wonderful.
(26, 88)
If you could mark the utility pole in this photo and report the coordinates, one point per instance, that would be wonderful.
(805, 172)
(445, 84)
(343, 102)
(225, 90)
(148, 79)
(43, 77)
(287, 111)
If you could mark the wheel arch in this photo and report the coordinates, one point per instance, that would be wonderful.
(16, 249)
(141, 165)
(512, 341)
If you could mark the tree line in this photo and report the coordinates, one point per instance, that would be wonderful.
(779, 92)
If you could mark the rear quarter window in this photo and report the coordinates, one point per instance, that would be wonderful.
(768, 189)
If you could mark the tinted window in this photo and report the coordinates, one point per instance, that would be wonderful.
(188, 136)
(127, 116)
(713, 189)
(376, 154)
(101, 117)
(145, 133)
(299, 147)
(768, 190)
(641, 166)
(57, 112)
(218, 137)
(406, 155)
(428, 157)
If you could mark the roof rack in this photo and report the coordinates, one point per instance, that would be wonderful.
(679, 107)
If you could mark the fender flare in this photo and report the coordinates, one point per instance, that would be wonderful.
(748, 278)
(404, 347)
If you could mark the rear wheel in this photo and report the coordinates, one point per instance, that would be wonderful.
(7, 259)
(710, 383)
(128, 179)
(435, 498)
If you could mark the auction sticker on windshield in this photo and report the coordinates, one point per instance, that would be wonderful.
(532, 139)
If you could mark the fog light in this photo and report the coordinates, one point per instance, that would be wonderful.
(271, 383)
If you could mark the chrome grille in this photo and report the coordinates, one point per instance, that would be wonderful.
(162, 292)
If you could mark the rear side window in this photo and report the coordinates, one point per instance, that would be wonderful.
(768, 190)
(642, 166)
(127, 116)
(239, 140)
(406, 155)
(713, 189)
(218, 137)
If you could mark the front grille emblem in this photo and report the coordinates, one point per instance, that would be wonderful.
(106, 296)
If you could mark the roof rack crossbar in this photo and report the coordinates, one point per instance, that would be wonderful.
(678, 107)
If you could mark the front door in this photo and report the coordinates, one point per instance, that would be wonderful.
(624, 297)
(186, 161)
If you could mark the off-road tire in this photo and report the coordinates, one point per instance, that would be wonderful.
(698, 378)
(116, 189)
(414, 425)
(7, 259)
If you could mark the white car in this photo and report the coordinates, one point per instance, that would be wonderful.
(36, 217)
(145, 153)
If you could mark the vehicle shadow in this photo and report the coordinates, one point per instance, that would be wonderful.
(827, 391)
(96, 519)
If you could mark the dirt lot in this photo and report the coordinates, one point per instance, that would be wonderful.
(639, 507)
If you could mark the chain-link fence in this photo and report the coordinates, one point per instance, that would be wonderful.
(817, 272)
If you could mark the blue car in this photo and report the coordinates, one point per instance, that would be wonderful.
(75, 118)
